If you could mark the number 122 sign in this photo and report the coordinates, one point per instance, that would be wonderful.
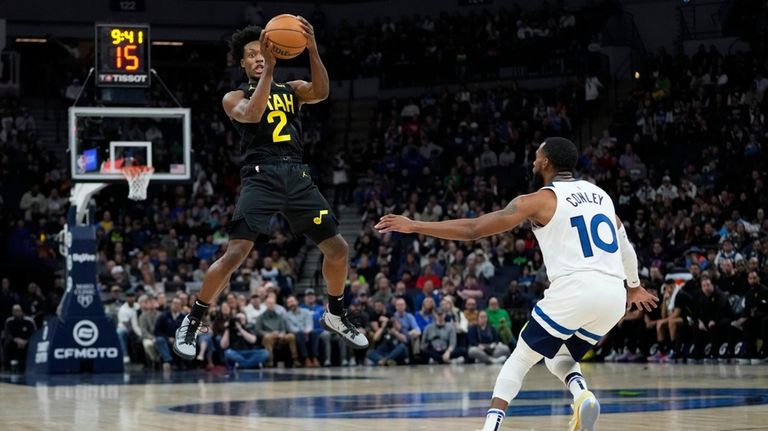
(122, 55)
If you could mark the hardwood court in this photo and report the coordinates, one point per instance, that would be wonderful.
(444, 398)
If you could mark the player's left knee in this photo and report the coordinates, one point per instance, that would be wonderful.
(337, 250)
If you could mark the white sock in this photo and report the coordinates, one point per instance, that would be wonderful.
(493, 420)
(576, 384)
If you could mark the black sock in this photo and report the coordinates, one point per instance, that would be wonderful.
(571, 376)
(199, 309)
(336, 304)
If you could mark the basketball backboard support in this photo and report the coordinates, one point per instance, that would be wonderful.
(103, 140)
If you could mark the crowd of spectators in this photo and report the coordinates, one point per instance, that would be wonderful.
(696, 215)
(453, 47)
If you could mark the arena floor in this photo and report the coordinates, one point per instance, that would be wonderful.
(445, 398)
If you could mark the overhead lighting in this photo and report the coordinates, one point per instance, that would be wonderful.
(167, 43)
(31, 40)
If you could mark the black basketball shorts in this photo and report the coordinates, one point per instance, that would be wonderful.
(285, 188)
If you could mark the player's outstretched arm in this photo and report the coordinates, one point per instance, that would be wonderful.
(636, 295)
(466, 229)
(319, 88)
(244, 110)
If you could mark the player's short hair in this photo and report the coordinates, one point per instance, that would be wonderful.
(241, 38)
(561, 152)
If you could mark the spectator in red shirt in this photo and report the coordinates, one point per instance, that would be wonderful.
(428, 275)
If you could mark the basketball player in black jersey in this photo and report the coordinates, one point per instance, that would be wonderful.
(266, 114)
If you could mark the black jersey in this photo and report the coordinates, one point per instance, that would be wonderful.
(279, 131)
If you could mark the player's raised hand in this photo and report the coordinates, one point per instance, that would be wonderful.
(309, 32)
(395, 223)
(640, 298)
(266, 50)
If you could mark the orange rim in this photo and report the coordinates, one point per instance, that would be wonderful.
(134, 171)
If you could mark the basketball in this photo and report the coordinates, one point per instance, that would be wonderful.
(286, 35)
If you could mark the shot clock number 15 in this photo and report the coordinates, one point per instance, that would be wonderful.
(122, 55)
(125, 55)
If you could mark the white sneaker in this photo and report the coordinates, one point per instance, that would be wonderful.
(586, 412)
(499, 360)
(344, 363)
(327, 363)
(353, 362)
(612, 357)
(185, 344)
(343, 327)
(459, 360)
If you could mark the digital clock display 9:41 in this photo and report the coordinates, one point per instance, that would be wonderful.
(122, 55)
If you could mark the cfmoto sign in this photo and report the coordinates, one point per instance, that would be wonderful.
(85, 333)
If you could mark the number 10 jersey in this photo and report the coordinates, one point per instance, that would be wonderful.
(582, 236)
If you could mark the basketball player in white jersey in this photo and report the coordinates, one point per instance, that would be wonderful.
(587, 256)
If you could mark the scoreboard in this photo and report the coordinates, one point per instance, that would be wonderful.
(122, 55)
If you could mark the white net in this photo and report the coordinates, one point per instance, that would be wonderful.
(138, 180)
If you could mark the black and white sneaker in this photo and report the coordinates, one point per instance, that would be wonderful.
(185, 344)
(342, 326)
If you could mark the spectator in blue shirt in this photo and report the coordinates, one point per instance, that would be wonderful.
(208, 249)
(318, 333)
(165, 331)
(408, 325)
(427, 291)
(425, 315)
(310, 303)
(300, 324)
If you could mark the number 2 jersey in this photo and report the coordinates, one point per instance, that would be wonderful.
(582, 235)
(278, 133)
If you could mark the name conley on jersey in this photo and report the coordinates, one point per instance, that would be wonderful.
(579, 198)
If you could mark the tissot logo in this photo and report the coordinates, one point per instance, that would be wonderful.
(83, 257)
(122, 78)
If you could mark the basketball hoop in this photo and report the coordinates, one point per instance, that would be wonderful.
(138, 180)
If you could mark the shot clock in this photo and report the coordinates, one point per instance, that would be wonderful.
(122, 55)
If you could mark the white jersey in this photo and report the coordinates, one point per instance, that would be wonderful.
(582, 235)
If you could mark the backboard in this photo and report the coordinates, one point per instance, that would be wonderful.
(104, 140)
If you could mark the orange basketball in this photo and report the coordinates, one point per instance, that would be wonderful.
(286, 35)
